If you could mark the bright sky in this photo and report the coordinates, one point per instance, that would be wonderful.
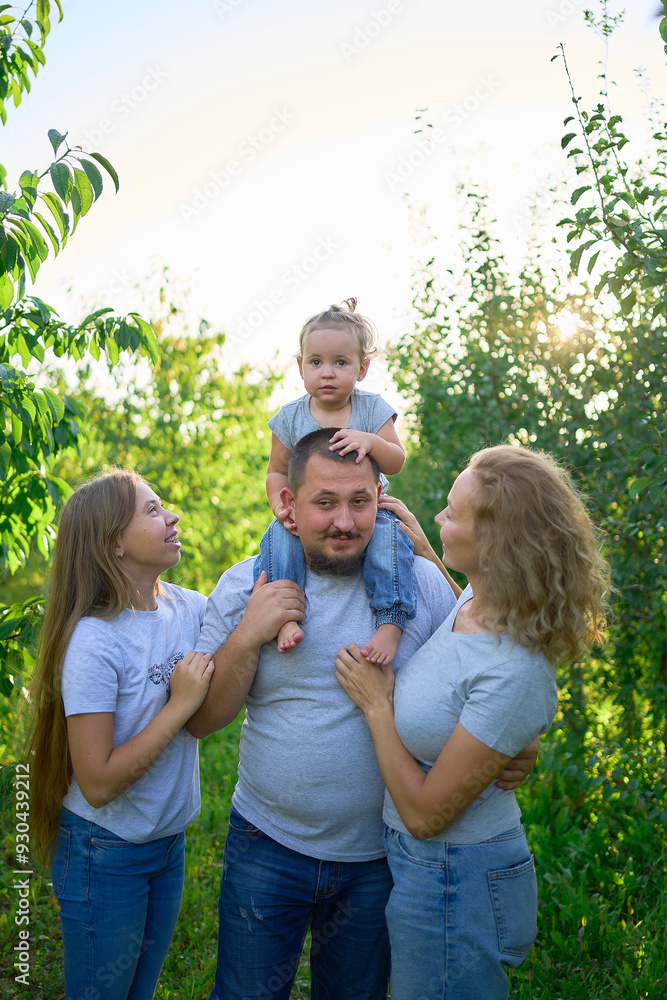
(264, 148)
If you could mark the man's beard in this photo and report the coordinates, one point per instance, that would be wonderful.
(343, 565)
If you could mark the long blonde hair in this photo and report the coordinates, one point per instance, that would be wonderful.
(545, 577)
(87, 580)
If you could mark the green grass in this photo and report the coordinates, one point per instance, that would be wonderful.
(595, 818)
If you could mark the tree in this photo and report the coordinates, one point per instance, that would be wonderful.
(37, 424)
(197, 434)
(576, 367)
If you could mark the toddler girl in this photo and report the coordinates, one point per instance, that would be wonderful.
(335, 348)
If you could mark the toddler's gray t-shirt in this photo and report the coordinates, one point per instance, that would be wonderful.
(369, 413)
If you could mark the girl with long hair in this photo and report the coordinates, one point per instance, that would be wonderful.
(464, 904)
(114, 774)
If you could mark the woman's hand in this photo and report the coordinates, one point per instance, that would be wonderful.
(190, 679)
(413, 529)
(369, 687)
(409, 523)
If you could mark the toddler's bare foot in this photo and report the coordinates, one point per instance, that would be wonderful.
(383, 646)
(289, 636)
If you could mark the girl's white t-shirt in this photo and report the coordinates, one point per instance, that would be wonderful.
(123, 665)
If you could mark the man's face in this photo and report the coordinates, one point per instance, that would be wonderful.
(335, 512)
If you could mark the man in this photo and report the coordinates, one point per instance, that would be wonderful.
(304, 847)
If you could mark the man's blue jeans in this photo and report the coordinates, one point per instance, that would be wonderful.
(459, 915)
(388, 571)
(270, 896)
(118, 907)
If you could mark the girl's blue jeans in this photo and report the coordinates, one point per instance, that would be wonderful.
(388, 571)
(118, 908)
(459, 915)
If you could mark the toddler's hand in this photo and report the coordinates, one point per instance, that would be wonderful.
(283, 513)
(348, 439)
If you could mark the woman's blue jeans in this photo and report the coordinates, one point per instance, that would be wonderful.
(270, 896)
(458, 916)
(118, 908)
(388, 571)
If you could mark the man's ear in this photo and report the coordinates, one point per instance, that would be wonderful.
(287, 497)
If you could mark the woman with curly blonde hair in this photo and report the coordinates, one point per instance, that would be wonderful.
(464, 904)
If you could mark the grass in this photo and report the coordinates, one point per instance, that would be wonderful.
(595, 817)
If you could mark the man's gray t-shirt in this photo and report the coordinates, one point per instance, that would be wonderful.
(123, 665)
(502, 694)
(308, 774)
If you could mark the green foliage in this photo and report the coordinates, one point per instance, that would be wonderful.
(37, 424)
(574, 367)
(20, 53)
(199, 435)
(594, 816)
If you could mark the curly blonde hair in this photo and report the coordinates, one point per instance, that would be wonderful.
(344, 315)
(545, 577)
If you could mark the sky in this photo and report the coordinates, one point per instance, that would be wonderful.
(267, 152)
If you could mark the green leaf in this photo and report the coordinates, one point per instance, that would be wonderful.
(91, 317)
(6, 201)
(6, 291)
(5, 458)
(48, 230)
(107, 166)
(36, 238)
(575, 256)
(567, 138)
(94, 176)
(61, 217)
(85, 190)
(576, 195)
(628, 302)
(55, 403)
(56, 138)
(61, 179)
(641, 484)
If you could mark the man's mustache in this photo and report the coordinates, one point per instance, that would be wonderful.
(336, 533)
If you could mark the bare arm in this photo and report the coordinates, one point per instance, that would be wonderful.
(101, 770)
(414, 530)
(269, 607)
(384, 446)
(276, 480)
